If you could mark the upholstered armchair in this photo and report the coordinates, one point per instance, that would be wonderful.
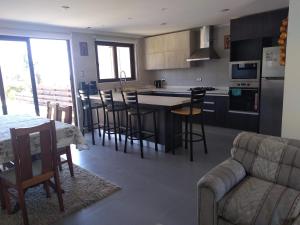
(258, 185)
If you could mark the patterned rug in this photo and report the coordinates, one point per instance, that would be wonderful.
(81, 191)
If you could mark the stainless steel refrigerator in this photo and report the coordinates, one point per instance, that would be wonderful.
(272, 85)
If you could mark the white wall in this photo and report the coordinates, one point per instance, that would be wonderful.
(291, 105)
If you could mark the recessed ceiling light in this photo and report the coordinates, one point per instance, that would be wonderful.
(163, 24)
(89, 28)
(163, 9)
(225, 10)
(65, 7)
(129, 18)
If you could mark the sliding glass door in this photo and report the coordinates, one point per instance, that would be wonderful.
(17, 82)
(32, 72)
(52, 72)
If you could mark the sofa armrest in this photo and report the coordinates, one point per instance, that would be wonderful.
(214, 185)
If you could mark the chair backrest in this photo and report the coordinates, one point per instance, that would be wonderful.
(64, 114)
(197, 98)
(22, 139)
(107, 98)
(52, 110)
(84, 97)
(130, 99)
(269, 158)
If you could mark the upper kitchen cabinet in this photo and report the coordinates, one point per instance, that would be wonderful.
(168, 51)
(257, 26)
(250, 34)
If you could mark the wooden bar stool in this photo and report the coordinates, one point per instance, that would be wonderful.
(111, 107)
(64, 114)
(87, 108)
(194, 110)
(130, 99)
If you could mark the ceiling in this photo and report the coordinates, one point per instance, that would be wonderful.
(141, 17)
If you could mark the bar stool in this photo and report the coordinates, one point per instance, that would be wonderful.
(111, 107)
(189, 113)
(130, 99)
(87, 109)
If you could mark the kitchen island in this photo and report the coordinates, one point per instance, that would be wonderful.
(167, 125)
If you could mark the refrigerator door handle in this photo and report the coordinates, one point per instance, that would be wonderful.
(273, 78)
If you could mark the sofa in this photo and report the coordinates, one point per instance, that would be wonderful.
(258, 185)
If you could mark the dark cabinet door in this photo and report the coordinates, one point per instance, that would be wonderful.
(257, 26)
(249, 27)
(272, 22)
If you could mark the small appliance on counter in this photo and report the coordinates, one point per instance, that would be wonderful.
(159, 83)
(272, 85)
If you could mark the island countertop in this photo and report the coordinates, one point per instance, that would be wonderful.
(162, 101)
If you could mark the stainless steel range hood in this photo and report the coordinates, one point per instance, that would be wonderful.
(205, 50)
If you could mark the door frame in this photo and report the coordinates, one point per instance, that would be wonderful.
(2, 95)
(72, 82)
(31, 71)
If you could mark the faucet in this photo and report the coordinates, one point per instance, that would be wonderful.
(122, 79)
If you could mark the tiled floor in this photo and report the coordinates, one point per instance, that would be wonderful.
(157, 190)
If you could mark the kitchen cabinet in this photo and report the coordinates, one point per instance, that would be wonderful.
(168, 51)
(249, 34)
(261, 25)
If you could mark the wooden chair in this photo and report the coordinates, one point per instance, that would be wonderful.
(28, 173)
(52, 110)
(64, 114)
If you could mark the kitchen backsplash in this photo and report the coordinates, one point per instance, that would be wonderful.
(212, 73)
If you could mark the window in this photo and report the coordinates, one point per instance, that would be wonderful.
(115, 61)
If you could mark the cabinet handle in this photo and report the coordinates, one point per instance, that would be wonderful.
(209, 103)
(209, 110)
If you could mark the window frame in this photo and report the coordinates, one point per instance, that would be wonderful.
(115, 45)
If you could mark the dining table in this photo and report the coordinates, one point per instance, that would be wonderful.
(66, 134)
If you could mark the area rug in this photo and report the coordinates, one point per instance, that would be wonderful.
(81, 191)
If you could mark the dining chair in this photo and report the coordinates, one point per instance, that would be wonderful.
(28, 173)
(133, 110)
(195, 109)
(64, 114)
(52, 110)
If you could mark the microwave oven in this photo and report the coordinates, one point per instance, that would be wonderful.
(244, 71)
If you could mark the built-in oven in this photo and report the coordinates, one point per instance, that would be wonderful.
(244, 99)
(244, 71)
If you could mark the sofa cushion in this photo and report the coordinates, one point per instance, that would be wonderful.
(259, 202)
(270, 158)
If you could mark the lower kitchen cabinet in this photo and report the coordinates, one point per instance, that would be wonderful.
(215, 110)
(245, 122)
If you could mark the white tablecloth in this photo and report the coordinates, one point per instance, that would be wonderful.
(66, 134)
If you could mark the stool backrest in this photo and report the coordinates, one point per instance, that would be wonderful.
(107, 98)
(84, 98)
(197, 98)
(21, 143)
(64, 114)
(130, 99)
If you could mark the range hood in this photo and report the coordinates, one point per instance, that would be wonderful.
(204, 50)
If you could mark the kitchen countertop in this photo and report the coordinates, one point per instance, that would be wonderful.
(164, 101)
(220, 91)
